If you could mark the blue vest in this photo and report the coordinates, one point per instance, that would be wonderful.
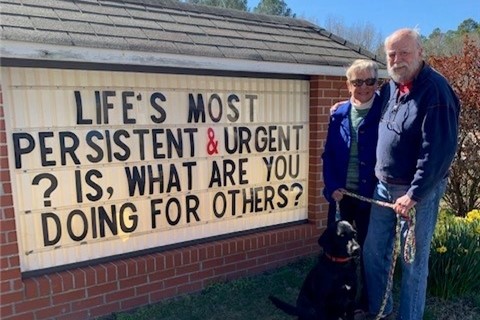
(337, 150)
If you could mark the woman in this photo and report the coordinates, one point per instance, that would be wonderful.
(349, 155)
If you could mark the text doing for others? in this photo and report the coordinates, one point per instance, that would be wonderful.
(157, 168)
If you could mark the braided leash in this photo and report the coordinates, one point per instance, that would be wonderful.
(409, 248)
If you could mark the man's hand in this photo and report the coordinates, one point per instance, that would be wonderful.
(403, 205)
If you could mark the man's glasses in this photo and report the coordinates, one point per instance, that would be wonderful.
(360, 82)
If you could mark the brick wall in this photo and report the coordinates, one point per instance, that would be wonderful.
(120, 285)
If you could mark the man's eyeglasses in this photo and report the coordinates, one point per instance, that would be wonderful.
(360, 82)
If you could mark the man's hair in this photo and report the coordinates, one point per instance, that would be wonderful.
(412, 33)
(362, 64)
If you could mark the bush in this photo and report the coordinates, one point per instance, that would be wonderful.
(455, 256)
(463, 73)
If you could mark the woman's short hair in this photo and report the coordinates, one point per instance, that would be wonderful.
(360, 65)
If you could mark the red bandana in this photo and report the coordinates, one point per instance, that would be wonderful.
(405, 88)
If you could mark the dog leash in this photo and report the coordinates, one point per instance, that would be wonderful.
(409, 248)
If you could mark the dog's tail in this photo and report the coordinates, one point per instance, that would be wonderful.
(286, 307)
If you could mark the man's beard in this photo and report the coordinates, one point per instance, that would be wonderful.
(405, 74)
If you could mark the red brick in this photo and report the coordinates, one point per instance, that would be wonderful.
(5, 286)
(187, 269)
(87, 303)
(256, 253)
(84, 314)
(105, 309)
(202, 253)
(212, 263)
(134, 302)
(20, 316)
(30, 288)
(7, 188)
(141, 265)
(119, 295)
(43, 286)
(3, 153)
(5, 226)
(131, 265)
(150, 264)
(53, 311)
(3, 263)
(246, 264)
(162, 294)
(9, 214)
(14, 261)
(160, 263)
(204, 274)
(32, 304)
(174, 282)
(133, 281)
(90, 276)
(68, 296)
(148, 288)
(235, 258)
(194, 256)
(102, 289)
(5, 310)
(55, 283)
(11, 297)
(189, 288)
(121, 267)
(111, 271)
(168, 261)
(78, 278)
(160, 275)
(67, 281)
(100, 274)
(224, 269)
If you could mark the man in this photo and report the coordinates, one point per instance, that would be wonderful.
(416, 145)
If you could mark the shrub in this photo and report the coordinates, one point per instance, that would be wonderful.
(455, 256)
(463, 72)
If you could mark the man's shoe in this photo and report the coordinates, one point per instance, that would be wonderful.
(359, 314)
(374, 316)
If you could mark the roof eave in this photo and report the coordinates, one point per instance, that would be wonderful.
(48, 52)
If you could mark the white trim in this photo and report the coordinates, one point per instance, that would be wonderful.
(38, 51)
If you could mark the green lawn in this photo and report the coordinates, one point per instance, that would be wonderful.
(248, 299)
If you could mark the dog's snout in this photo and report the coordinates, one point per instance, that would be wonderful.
(354, 247)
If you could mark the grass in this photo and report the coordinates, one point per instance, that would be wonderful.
(247, 298)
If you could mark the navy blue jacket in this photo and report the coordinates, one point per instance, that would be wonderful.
(337, 150)
(418, 134)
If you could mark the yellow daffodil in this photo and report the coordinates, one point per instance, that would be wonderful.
(442, 249)
(473, 215)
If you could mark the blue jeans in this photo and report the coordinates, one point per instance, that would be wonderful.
(377, 251)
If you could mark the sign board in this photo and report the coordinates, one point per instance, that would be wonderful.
(105, 163)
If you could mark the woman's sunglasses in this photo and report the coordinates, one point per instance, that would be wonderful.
(360, 82)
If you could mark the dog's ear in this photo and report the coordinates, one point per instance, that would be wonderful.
(325, 239)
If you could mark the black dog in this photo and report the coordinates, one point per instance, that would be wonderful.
(330, 288)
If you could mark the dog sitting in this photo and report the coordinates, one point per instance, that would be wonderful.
(330, 288)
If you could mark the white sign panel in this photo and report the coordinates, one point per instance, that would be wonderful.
(105, 163)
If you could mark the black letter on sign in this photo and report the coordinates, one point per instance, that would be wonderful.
(19, 150)
(196, 109)
(127, 106)
(56, 220)
(95, 186)
(78, 102)
(163, 114)
(70, 225)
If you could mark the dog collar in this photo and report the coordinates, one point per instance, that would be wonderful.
(337, 259)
